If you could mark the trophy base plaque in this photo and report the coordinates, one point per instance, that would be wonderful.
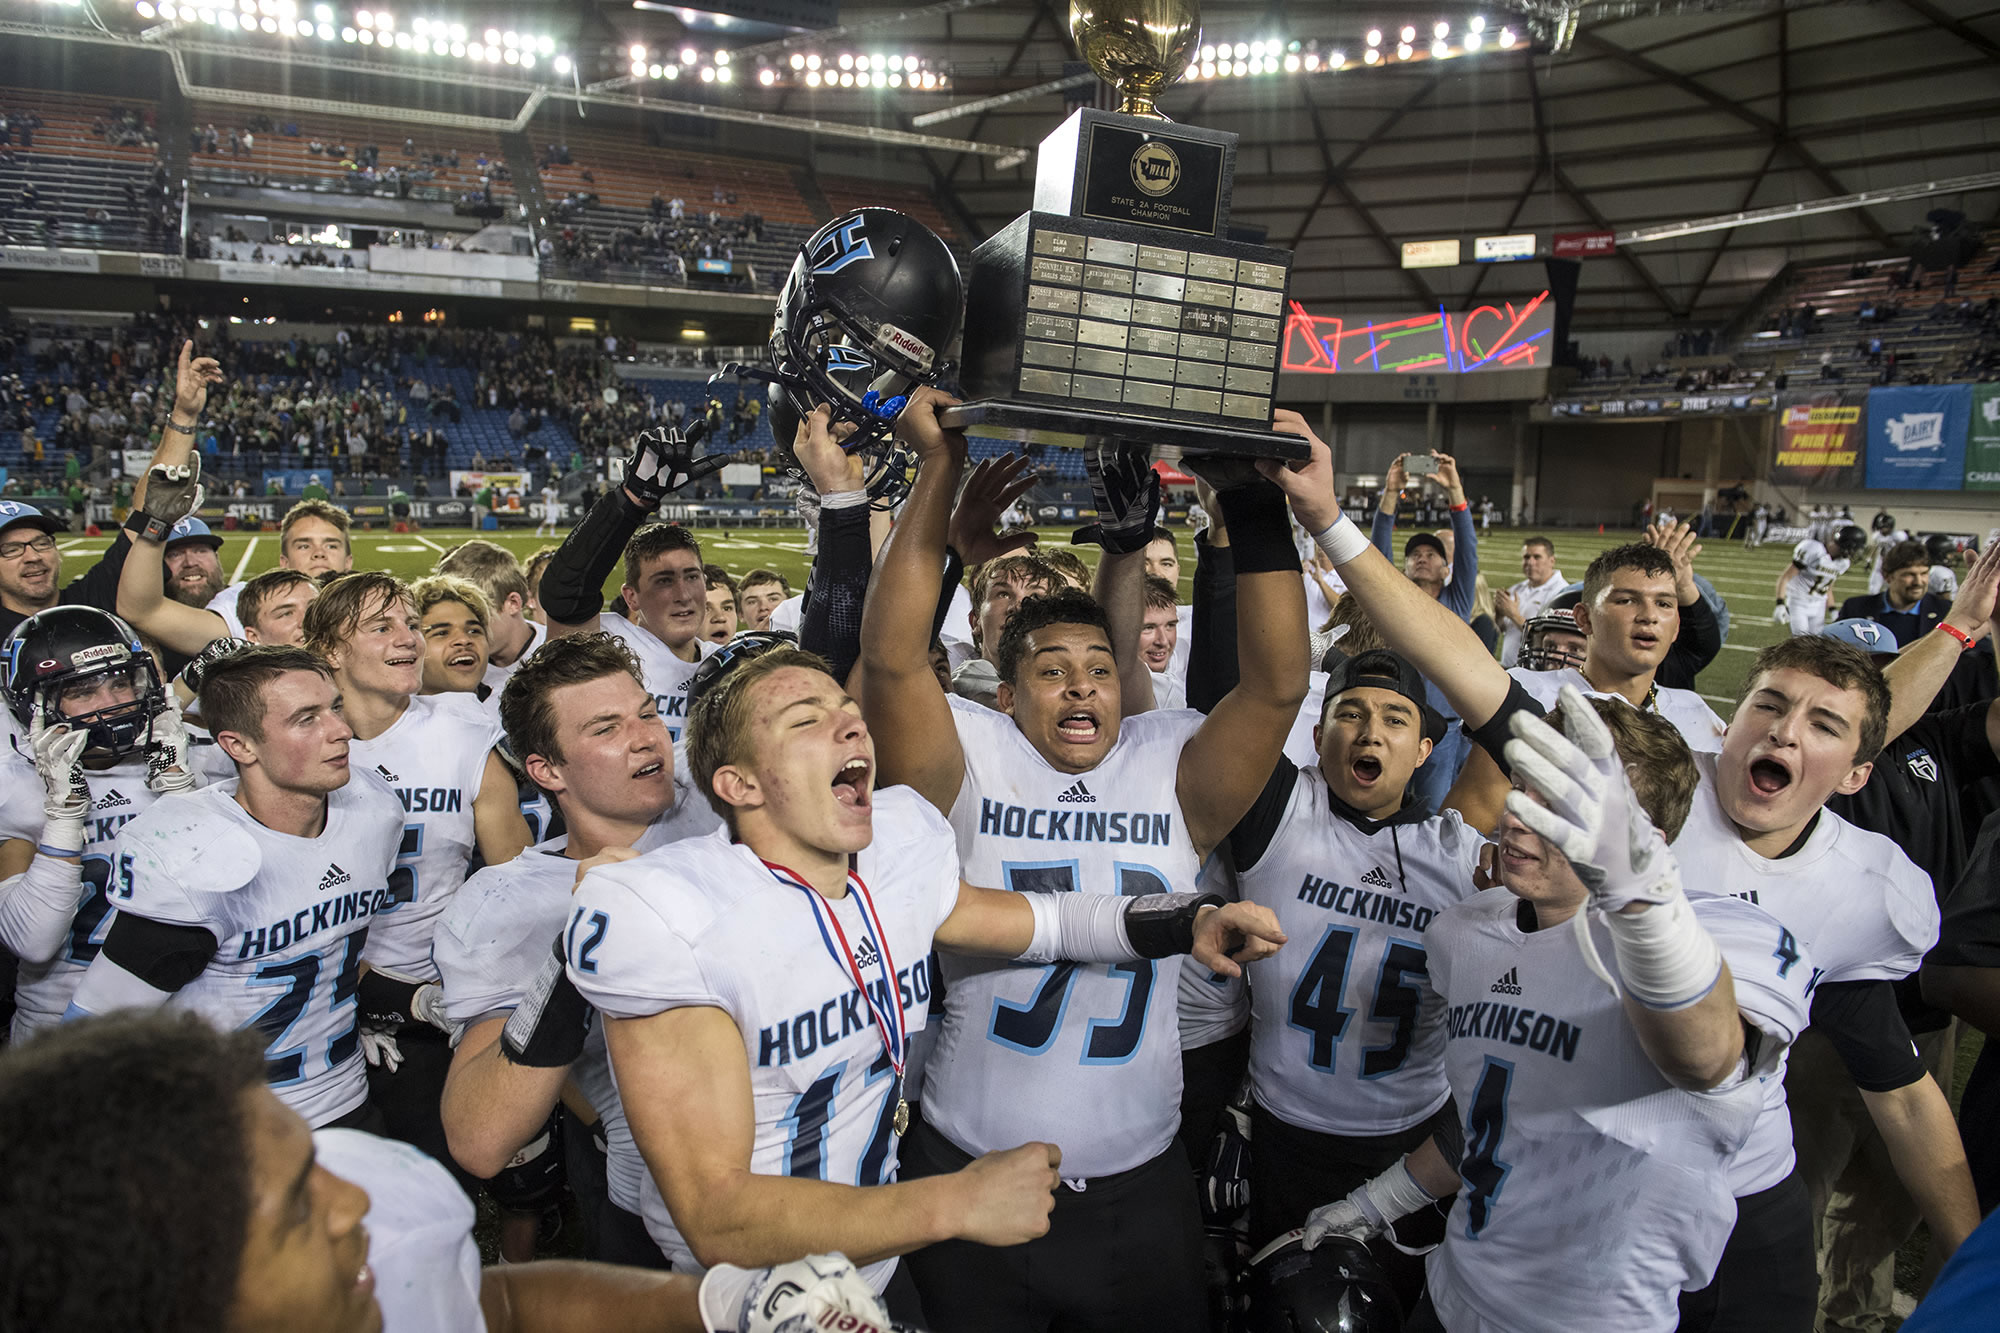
(1091, 320)
(1076, 426)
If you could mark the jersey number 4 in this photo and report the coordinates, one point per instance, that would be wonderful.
(1316, 1009)
(1031, 1028)
(298, 976)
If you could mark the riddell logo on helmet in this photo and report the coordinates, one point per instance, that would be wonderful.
(99, 652)
(892, 339)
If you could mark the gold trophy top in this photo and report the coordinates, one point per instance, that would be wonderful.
(1139, 47)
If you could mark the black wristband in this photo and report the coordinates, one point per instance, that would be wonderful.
(385, 1000)
(144, 527)
(1161, 925)
(547, 1029)
(572, 588)
(1260, 529)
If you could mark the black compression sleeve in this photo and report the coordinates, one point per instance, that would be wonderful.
(1260, 529)
(1867, 1030)
(1697, 644)
(548, 1028)
(831, 625)
(1212, 667)
(572, 588)
(954, 570)
(1253, 833)
(1450, 1135)
(1492, 735)
(164, 957)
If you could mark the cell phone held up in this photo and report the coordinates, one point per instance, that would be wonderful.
(1420, 465)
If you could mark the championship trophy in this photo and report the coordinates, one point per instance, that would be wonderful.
(1118, 309)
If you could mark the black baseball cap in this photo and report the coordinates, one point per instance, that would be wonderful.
(1380, 669)
(1429, 539)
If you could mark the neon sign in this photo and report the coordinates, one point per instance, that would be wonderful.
(1503, 336)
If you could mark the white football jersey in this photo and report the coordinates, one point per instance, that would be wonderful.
(1086, 1055)
(1531, 599)
(434, 758)
(665, 674)
(496, 676)
(289, 915)
(1850, 900)
(1212, 1006)
(1697, 723)
(419, 1222)
(1943, 582)
(1338, 1040)
(704, 923)
(1593, 1189)
(224, 605)
(117, 795)
(498, 932)
(1821, 569)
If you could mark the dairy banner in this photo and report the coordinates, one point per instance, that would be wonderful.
(1916, 437)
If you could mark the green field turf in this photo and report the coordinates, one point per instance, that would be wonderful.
(1743, 576)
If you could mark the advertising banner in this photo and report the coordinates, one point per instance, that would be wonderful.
(1584, 244)
(1819, 441)
(1916, 437)
(509, 488)
(1982, 447)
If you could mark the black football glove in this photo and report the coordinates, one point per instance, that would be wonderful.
(1225, 1183)
(217, 650)
(1126, 491)
(663, 461)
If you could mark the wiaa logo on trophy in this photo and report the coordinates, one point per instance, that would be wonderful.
(1156, 168)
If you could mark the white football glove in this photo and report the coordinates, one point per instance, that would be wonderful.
(1368, 1210)
(167, 765)
(65, 794)
(1781, 616)
(379, 1048)
(820, 1291)
(1591, 815)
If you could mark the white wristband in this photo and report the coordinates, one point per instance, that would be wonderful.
(1342, 542)
(1666, 960)
(1084, 927)
(843, 499)
(1393, 1194)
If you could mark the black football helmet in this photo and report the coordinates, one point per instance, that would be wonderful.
(70, 648)
(1849, 540)
(1885, 522)
(1335, 1288)
(1939, 548)
(870, 311)
(1539, 650)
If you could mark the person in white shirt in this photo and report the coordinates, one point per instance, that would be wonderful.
(1540, 583)
(1062, 791)
(1598, 1111)
(312, 538)
(511, 634)
(551, 515)
(587, 731)
(761, 984)
(1805, 586)
(253, 1222)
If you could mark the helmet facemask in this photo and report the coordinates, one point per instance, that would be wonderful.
(117, 731)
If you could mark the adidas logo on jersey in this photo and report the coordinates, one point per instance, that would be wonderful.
(865, 955)
(333, 878)
(1078, 794)
(384, 771)
(1509, 984)
(1377, 879)
(112, 799)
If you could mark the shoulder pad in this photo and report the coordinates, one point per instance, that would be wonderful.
(184, 839)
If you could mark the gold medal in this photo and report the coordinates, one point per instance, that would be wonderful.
(902, 1121)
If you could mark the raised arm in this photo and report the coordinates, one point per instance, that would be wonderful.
(1436, 642)
(1126, 492)
(831, 625)
(1458, 595)
(663, 461)
(1921, 670)
(1228, 761)
(916, 741)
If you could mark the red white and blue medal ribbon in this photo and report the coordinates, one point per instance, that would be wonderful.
(888, 1012)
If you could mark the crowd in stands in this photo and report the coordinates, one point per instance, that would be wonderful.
(672, 239)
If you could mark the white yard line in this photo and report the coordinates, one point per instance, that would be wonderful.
(243, 561)
(418, 536)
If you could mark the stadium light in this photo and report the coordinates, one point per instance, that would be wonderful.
(146, 11)
(1477, 23)
(563, 65)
